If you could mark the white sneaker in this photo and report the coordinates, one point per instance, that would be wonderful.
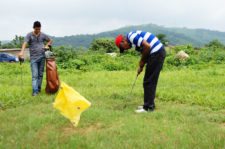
(141, 110)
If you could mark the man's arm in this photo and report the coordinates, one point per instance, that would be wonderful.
(145, 53)
(48, 43)
(48, 40)
(26, 40)
(22, 50)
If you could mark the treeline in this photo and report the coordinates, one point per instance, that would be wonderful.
(15, 43)
(97, 56)
(176, 36)
(98, 42)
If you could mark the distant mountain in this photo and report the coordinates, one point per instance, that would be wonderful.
(5, 41)
(176, 36)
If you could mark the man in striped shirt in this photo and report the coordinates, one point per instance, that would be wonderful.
(153, 55)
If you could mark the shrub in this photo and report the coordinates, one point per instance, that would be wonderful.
(186, 48)
(215, 44)
(81, 59)
(105, 45)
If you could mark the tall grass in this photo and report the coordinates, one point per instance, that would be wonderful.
(203, 87)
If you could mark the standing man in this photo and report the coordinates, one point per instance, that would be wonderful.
(37, 41)
(153, 55)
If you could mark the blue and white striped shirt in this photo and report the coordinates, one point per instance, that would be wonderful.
(137, 37)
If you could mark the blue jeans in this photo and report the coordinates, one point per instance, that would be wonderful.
(37, 69)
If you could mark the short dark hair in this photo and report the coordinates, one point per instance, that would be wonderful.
(37, 24)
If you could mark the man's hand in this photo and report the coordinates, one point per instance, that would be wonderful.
(140, 69)
(48, 44)
(46, 47)
(20, 55)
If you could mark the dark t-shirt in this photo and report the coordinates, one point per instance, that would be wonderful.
(36, 44)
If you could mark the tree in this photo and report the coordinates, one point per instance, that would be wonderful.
(215, 44)
(162, 38)
(0, 44)
(105, 45)
(18, 41)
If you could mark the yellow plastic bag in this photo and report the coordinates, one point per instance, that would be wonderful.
(70, 103)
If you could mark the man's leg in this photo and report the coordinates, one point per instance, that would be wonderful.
(153, 68)
(34, 71)
(41, 67)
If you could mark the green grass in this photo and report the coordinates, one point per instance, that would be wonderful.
(190, 111)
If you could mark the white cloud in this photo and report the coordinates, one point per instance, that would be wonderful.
(70, 17)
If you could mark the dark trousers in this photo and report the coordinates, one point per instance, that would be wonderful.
(152, 72)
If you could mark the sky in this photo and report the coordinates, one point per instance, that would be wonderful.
(71, 17)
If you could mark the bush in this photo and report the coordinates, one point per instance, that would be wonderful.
(215, 44)
(212, 54)
(81, 59)
(124, 62)
(173, 61)
(206, 55)
(186, 48)
(219, 57)
(64, 54)
(105, 45)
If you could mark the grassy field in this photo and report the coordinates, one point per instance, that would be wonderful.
(190, 111)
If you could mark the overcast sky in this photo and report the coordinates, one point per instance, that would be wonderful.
(71, 17)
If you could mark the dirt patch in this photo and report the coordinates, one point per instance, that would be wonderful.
(42, 134)
(223, 125)
(2, 108)
(92, 128)
(69, 129)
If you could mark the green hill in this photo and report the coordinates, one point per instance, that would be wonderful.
(196, 37)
